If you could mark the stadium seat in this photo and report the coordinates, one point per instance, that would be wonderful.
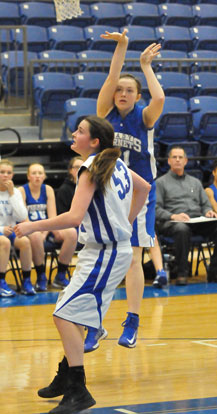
(101, 66)
(205, 1)
(174, 65)
(204, 83)
(94, 41)
(6, 40)
(176, 14)
(88, 84)
(204, 113)
(140, 36)
(201, 65)
(13, 70)
(210, 151)
(37, 39)
(37, 13)
(204, 37)
(74, 111)
(50, 91)
(151, 1)
(190, 2)
(85, 19)
(66, 67)
(205, 14)
(174, 37)
(9, 14)
(142, 14)
(132, 65)
(175, 122)
(105, 13)
(63, 37)
(175, 84)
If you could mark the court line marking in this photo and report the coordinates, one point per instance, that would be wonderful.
(122, 410)
(204, 343)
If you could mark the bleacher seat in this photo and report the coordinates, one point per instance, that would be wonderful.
(205, 1)
(175, 84)
(63, 37)
(204, 37)
(85, 55)
(105, 13)
(142, 14)
(85, 19)
(88, 84)
(6, 41)
(50, 91)
(132, 65)
(174, 37)
(39, 14)
(140, 36)
(37, 39)
(174, 65)
(95, 42)
(13, 72)
(204, 83)
(65, 67)
(190, 2)
(205, 14)
(74, 111)
(176, 14)
(204, 112)
(209, 150)
(9, 14)
(151, 1)
(200, 65)
(175, 122)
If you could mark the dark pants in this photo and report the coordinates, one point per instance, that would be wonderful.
(181, 233)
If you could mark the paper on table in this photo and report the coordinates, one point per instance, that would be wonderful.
(200, 219)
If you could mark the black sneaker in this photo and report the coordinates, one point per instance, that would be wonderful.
(75, 400)
(58, 385)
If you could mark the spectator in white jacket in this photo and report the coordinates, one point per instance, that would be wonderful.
(12, 210)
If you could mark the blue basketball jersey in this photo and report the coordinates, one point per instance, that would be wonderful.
(135, 141)
(106, 220)
(214, 189)
(37, 209)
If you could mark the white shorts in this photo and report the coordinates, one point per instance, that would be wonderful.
(98, 272)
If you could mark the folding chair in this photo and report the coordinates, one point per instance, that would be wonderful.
(15, 268)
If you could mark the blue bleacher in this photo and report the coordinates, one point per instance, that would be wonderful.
(66, 67)
(9, 14)
(94, 66)
(33, 13)
(204, 83)
(68, 38)
(174, 37)
(176, 14)
(142, 14)
(105, 13)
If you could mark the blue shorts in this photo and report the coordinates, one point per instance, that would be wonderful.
(12, 237)
(144, 226)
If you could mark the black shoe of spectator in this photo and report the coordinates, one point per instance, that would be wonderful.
(211, 276)
(181, 280)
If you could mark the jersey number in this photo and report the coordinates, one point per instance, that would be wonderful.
(124, 185)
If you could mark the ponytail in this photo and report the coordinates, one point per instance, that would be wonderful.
(103, 166)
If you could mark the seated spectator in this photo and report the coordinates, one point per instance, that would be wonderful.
(66, 191)
(211, 191)
(40, 202)
(179, 198)
(12, 210)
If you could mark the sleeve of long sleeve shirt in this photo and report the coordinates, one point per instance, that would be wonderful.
(161, 213)
(19, 209)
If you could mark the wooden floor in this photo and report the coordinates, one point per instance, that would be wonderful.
(174, 360)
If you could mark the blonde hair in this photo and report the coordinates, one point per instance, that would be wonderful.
(7, 162)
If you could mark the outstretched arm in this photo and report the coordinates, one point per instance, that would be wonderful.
(106, 94)
(141, 189)
(80, 203)
(152, 112)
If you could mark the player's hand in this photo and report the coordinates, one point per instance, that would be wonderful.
(8, 230)
(10, 187)
(211, 214)
(149, 53)
(183, 217)
(116, 36)
(23, 229)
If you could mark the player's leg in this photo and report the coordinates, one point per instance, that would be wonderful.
(69, 243)
(24, 246)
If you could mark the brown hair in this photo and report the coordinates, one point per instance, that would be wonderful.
(138, 83)
(177, 147)
(104, 162)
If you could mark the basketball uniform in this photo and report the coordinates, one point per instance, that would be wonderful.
(12, 211)
(214, 189)
(137, 150)
(107, 253)
(37, 209)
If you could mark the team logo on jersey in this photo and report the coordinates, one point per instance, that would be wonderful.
(127, 141)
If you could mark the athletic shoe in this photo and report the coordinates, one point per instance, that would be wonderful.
(60, 281)
(76, 399)
(129, 335)
(58, 385)
(93, 337)
(41, 283)
(161, 279)
(27, 288)
(5, 290)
